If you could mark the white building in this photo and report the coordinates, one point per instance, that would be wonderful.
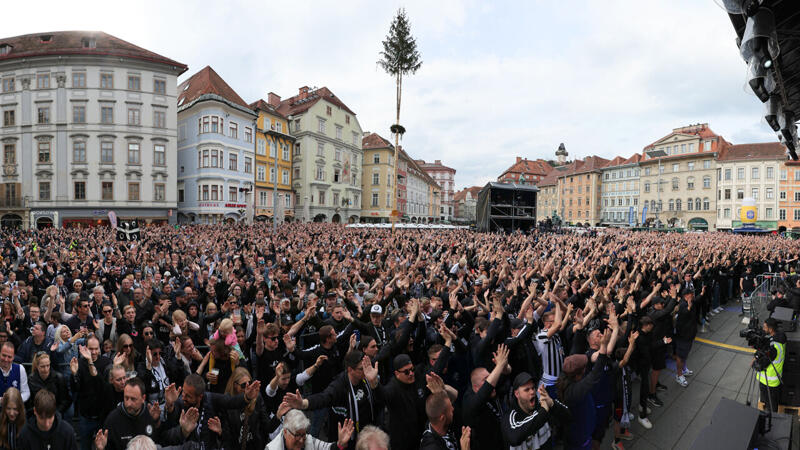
(749, 170)
(620, 191)
(89, 127)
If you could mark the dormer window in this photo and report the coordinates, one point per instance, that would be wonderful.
(46, 38)
(5, 49)
(89, 42)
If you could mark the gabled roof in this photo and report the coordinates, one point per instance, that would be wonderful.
(764, 150)
(207, 82)
(701, 130)
(551, 179)
(588, 164)
(622, 161)
(94, 43)
(525, 166)
(301, 103)
(411, 162)
(462, 194)
(261, 105)
(374, 141)
(436, 165)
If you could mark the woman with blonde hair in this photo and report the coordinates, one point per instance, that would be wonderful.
(65, 347)
(126, 353)
(12, 418)
(252, 421)
(44, 377)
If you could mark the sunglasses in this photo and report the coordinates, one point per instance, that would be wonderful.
(127, 346)
(272, 338)
(106, 311)
(406, 372)
(243, 384)
(148, 333)
(158, 353)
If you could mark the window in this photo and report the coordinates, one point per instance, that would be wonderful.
(8, 118)
(248, 134)
(690, 165)
(320, 149)
(783, 174)
(770, 173)
(233, 130)
(727, 213)
(43, 81)
(79, 113)
(273, 150)
(79, 79)
(797, 196)
(355, 139)
(134, 116)
(159, 190)
(697, 204)
(285, 176)
(320, 173)
(159, 86)
(262, 198)
(133, 191)
(107, 152)
(328, 110)
(215, 192)
(215, 124)
(288, 199)
(388, 199)
(706, 182)
(79, 151)
(754, 173)
(233, 194)
(706, 204)
(321, 197)
(676, 167)
(261, 147)
(675, 185)
(80, 190)
(159, 155)
(755, 193)
(44, 152)
(337, 175)
(740, 173)
(107, 114)
(376, 179)
(683, 148)
(321, 125)
(261, 173)
(727, 194)
(337, 155)
(159, 118)
(43, 114)
(296, 173)
(782, 195)
(671, 205)
(338, 132)
(107, 190)
(690, 183)
(740, 194)
(678, 204)
(106, 81)
(134, 156)
(271, 174)
(769, 213)
(205, 192)
(797, 214)
(335, 199)
(707, 164)
(44, 190)
(782, 214)
(233, 161)
(647, 171)
(727, 174)
(214, 158)
(9, 154)
(278, 127)
(134, 83)
(770, 194)
(297, 125)
(285, 151)
(248, 164)
(8, 84)
(797, 175)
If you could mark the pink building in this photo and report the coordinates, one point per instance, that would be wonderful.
(445, 177)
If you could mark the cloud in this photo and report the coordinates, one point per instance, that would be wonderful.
(499, 79)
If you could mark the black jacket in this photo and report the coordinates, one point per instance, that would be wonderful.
(483, 414)
(529, 431)
(341, 399)
(174, 369)
(406, 406)
(61, 436)
(122, 427)
(257, 427)
(432, 441)
(213, 405)
(54, 383)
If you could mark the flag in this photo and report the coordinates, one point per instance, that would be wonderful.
(128, 230)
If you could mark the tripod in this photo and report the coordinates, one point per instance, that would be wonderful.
(764, 428)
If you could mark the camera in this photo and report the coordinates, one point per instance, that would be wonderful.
(760, 341)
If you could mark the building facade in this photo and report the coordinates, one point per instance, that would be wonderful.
(377, 172)
(445, 177)
(465, 204)
(679, 189)
(273, 155)
(620, 192)
(424, 203)
(749, 171)
(215, 151)
(578, 190)
(327, 157)
(789, 197)
(89, 127)
(548, 197)
(524, 171)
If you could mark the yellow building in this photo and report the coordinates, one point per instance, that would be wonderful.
(376, 186)
(273, 141)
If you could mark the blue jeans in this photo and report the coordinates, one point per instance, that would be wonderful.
(87, 428)
(318, 417)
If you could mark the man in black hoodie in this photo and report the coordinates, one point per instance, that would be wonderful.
(483, 411)
(48, 431)
(132, 418)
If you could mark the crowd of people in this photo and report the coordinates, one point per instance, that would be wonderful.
(318, 336)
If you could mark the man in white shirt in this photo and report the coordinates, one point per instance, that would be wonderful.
(11, 373)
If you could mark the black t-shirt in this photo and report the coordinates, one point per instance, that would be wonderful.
(75, 323)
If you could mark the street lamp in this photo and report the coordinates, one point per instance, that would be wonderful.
(657, 153)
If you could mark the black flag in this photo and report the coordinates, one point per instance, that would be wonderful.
(128, 230)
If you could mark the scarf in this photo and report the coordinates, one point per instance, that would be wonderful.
(625, 421)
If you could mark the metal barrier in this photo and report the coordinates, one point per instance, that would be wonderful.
(760, 297)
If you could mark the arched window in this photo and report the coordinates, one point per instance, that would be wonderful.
(706, 204)
(697, 203)
(689, 204)
(646, 204)
(671, 205)
(678, 205)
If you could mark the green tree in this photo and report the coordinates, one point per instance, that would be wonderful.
(399, 57)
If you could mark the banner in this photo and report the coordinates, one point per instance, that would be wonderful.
(644, 214)
(128, 230)
(631, 216)
(112, 219)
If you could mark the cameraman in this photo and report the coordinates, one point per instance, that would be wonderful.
(769, 378)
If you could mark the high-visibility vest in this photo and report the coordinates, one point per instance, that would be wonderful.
(771, 376)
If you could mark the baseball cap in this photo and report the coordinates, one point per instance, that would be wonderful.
(516, 323)
(376, 309)
(521, 379)
(362, 286)
(575, 364)
(401, 360)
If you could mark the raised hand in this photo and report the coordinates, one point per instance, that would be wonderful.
(370, 371)
(295, 401)
(188, 421)
(119, 358)
(320, 360)
(85, 353)
(501, 355)
(345, 432)
(289, 342)
(251, 391)
(101, 439)
(215, 425)
(465, 437)
(434, 382)
(171, 394)
(73, 365)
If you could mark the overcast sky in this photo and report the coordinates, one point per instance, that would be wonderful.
(499, 79)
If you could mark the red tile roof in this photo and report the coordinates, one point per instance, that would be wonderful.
(551, 179)
(207, 81)
(303, 101)
(701, 130)
(462, 194)
(622, 161)
(435, 166)
(589, 164)
(413, 163)
(764, 150)
(260, 104)
(525, 166)
(373, 141)
(72, 43)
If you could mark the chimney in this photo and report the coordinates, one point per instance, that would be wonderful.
(274, 99)
(303, 93)
(519, 159)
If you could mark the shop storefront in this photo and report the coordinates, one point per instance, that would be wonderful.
(88, 218)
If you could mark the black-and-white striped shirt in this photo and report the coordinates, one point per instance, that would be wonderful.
(552, 355)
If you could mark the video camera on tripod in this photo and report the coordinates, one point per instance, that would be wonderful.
(760, 341)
